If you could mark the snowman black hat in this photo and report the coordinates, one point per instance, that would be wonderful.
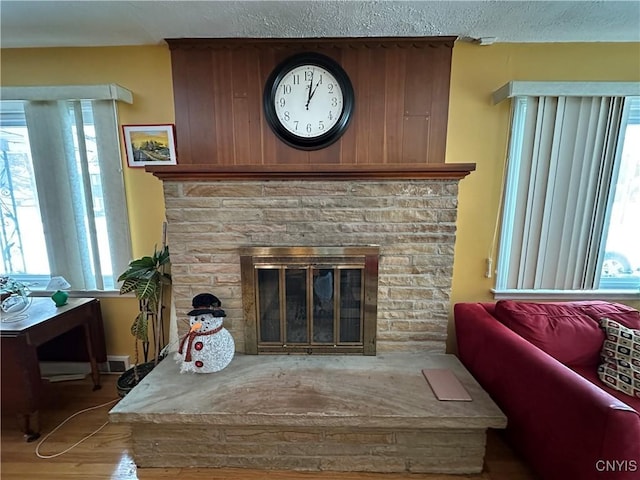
(204, 303)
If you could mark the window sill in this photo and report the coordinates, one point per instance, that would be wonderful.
(566, 294)
(79, 293)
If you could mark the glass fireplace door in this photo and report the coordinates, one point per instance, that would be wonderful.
(309, 305)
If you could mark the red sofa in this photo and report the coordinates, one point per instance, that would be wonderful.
(562, 418)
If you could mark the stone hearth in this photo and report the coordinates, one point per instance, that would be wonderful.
(290, 412)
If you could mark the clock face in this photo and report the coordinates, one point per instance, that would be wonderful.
(308, 101)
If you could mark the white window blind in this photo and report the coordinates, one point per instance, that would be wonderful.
(77, 172)
(562, 170)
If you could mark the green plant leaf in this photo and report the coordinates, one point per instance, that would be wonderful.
(139, 328)
(143, 263)
(129, 285)
(161, 257)
(147, 288)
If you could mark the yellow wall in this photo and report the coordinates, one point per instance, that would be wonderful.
(477, 132)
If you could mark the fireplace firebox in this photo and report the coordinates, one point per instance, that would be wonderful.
(310, 299)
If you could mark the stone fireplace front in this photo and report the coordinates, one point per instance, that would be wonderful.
(385, 182)
(210, 222)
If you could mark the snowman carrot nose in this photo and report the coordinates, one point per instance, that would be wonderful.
(195, 326)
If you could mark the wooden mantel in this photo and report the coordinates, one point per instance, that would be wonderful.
(394, 171)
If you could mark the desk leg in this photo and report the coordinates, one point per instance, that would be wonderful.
(26, 420)
(22, 389)
(95, 372)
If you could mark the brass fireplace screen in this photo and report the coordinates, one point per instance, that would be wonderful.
(310, 299)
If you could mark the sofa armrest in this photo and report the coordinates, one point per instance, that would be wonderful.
(560, 421)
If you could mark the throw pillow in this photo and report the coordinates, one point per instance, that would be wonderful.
(620, 367)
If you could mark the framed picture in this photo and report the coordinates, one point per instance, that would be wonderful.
(149, 145)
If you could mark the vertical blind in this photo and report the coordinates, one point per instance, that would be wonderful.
(67, 182)
(560, 171)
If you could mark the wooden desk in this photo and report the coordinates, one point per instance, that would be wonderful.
(21, 335)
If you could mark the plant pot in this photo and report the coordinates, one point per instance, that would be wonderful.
(128, 379)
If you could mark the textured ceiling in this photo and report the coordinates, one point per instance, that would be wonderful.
(94, 23)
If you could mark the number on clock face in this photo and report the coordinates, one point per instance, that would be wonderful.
(308, 101)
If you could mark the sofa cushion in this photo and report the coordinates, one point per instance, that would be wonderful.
(560, 329)
(620, 367)
(597, 309)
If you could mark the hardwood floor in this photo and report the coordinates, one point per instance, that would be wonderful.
(106, 455)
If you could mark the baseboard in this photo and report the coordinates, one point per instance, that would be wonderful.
(64, 368)
(67, 370)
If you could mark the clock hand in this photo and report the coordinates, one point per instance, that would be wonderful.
(309, 91)
(313, 93)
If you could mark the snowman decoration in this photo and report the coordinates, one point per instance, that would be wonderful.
(208, 347)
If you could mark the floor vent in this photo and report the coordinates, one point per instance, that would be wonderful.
(115, 364)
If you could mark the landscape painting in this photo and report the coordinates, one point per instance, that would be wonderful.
(149, 145)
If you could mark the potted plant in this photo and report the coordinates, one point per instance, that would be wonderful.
(146, 278)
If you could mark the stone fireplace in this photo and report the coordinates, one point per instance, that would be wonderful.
(238, 192)
(385, 182)
(412, 221)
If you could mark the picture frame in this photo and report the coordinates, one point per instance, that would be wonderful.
(150, 145)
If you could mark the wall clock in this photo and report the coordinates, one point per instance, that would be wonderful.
(308, 101)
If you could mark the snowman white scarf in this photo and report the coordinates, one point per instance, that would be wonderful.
(193, 333)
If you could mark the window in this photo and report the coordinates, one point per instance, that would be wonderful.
(62, 202)
(572, 189)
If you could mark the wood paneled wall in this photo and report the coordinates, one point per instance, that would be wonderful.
(401, 104)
